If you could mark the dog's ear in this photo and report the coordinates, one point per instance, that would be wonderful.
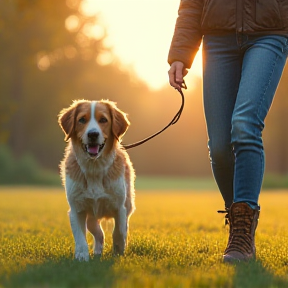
(66, 119)
(120, 122)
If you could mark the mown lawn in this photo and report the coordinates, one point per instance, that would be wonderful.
(176, 240)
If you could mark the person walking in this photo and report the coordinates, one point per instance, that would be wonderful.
(245, 47)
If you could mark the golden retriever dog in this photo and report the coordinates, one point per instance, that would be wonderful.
(97, 173)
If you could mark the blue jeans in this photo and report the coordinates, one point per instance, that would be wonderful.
(240, 77)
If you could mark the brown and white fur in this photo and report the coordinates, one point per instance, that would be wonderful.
(97, 173)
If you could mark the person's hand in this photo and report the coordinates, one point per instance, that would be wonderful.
(176, 74)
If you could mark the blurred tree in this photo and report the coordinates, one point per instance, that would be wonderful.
(33, 33)
(49, 56)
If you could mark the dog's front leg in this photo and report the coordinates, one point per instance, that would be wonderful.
(77, 221)
(120, 232)
(94, 226)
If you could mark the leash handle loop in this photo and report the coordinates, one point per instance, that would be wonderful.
(173, 121)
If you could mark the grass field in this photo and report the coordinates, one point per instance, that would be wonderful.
(176, 240)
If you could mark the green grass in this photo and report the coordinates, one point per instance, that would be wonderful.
(174, 183)
(176, 240)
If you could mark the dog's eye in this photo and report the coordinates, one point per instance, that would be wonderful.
(103, 120)
(82, 120)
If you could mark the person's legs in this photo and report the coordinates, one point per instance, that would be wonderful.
(222, 62)
(240, 80)
(263, 63)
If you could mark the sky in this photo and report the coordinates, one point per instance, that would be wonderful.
(139, 32)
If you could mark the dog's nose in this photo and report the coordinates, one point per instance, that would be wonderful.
(93, 135)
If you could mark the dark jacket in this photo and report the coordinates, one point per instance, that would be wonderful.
(199, 17)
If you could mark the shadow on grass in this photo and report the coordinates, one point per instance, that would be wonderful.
(64, 273)
(255, 275)
(68, 273)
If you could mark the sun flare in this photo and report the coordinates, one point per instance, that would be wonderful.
(139, 33)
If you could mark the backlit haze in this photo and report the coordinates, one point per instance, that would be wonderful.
(139, 33)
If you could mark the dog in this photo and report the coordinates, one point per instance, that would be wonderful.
(97, 173)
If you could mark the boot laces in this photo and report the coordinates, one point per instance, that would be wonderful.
(241, 238)
(226, 217)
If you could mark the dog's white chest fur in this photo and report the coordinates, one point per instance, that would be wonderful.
(97, 195)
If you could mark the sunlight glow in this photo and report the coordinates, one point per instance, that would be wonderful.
(95, 31)
(139, 33)
(43, 61)
(104, 58)
(72, 23)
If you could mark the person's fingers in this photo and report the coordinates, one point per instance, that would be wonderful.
(179, 72)
(171, 74)
(176, 74)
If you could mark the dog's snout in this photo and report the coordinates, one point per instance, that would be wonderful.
(93, 135)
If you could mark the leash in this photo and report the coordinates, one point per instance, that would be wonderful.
(173, 121)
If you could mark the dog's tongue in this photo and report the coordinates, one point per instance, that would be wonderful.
(93, 149)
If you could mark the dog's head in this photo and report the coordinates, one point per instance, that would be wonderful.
(94, 125)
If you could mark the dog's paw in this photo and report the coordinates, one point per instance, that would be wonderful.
(82, 256)
(118, 250)
(98, 249)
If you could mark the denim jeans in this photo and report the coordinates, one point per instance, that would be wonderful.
(240, 77)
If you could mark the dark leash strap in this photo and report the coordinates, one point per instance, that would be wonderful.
(173, 121)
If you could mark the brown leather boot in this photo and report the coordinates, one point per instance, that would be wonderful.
(243, 222)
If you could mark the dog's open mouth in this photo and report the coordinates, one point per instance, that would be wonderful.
(94, 149)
